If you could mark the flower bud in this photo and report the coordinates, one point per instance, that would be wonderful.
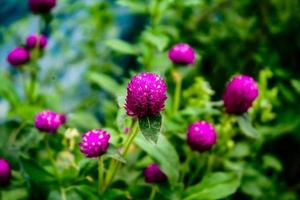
(41, 6)
(182, 53)
(18, 56)
(94, 143)
(146, 95)
(48, 121)
(201, 136)
(153, 174)
(239, 94)
(35, 40)
(5, 172)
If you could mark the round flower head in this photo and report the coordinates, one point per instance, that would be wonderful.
(5, 172)
(18, 56)
(41, 6)
(153, 174)
(36, 40)
(146, 95)
(201, 136)
(239, 94)
(48, 121)
(94, 143)
(182, 53)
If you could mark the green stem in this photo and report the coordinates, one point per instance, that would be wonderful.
(50, 155)
(114, 164)
(178, 84)
(63, 193)
(100, 173)
(153, 192)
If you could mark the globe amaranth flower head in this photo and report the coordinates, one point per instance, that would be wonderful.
(94, 143)
(201, 136)
(41, 6)
(239, 94)
(48, 121)
(18, 56)
(153, 174)
(36, 40)
(182, 53)
(146, 95)
(5, 172)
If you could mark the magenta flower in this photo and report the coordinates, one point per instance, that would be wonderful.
(5, 172)
(63, 118)
(239, 94)
(48, 121)
(36, 40)
(94, 143)
(18, 56)
(201, 136)
(41, 6)
(182, 53)
(146, 95)
(153, 174)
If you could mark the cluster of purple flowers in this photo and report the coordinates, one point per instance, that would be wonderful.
(21, 55)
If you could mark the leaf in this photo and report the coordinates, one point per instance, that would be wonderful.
(112, 152)
(163, 152)
(83, 120)
(136, 7)
(296, 85)
(86, 192)
(246, 126)
(150, 127)
(217, 185)
(87, 165)
(160, 41)
(121, 46)
(104, 81)
(35, 171)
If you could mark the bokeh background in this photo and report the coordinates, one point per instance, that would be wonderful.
(256, 37)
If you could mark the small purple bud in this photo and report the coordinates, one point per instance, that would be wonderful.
(41, 6)
(126, 130)
(146, 95)
(239, 94)
(153, 174)
(182, 53)
(94, 143)
(47, 121)
(35, 40)
(201, 136)
(5, 172)
(63, 118)
(18, 56)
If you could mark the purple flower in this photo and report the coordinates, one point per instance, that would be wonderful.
(18, 56)
(94, 143)
(41, 6)
(146, 95)
(239, 94)
(48, 121)
(5, 172)
(36, 40)
(182, 53)
(201, 136)
(63, 118)
(153, 174)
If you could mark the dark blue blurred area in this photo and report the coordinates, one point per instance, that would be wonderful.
(11, 10)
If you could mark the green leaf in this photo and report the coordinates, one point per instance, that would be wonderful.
(217, 185)
(86, 192)
(112, 152)
(296, 85)
(104, 81)
(121, 46)
(246, 126)
(136, 7)
(150, 127)
(164, 153)
(159, 41)
(35, 171)
(87, 165)
(83, 120)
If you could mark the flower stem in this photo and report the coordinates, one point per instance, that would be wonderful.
(153, 192)
(50, 155)
(114, 164)
(63, 193)
(100, 173)
(178, 84)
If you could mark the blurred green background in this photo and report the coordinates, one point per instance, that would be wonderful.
(256, 37)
